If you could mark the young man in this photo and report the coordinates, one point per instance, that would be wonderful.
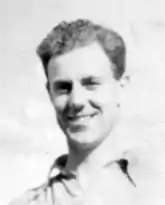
(84, 64)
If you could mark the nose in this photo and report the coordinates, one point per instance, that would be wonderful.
(78, 98)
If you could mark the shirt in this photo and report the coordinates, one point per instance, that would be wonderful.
(118, 189)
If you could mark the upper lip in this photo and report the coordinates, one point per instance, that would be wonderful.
(79, 116)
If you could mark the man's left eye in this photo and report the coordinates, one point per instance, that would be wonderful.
(91, 85)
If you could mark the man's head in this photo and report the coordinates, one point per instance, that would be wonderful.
(84, 64)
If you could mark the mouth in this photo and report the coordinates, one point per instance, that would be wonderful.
(80, 118)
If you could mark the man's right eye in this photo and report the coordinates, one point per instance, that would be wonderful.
(62, 88)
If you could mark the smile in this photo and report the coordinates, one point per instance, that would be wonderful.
(81, 117)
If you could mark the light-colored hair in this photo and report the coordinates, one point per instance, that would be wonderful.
(67, 36)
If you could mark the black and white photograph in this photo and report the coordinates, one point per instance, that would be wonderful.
(82, 102)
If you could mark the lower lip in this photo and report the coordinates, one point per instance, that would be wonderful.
(81, 119)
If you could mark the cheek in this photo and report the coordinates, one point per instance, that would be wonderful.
(59, 103)
(105, 97)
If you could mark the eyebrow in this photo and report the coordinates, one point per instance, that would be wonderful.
(86, 79)
(58, 82)
(90, 78)
(61, 80)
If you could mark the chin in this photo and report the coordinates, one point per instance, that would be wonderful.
(84, 140)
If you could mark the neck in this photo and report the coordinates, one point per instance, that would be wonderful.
(87, 163)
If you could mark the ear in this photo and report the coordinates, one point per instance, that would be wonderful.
(47, 85)
(124, 81)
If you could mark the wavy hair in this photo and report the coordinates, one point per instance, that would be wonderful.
(67, 36)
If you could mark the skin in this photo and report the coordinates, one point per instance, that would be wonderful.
(85, 96)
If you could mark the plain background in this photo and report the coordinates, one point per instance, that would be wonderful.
(29, 136)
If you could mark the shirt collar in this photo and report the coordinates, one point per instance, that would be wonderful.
(61, 161)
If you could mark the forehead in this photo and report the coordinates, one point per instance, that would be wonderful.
(85, 61)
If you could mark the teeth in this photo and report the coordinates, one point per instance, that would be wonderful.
(86, 116)
(81, 117)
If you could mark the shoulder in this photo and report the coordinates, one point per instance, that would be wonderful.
(29, 196)
(39, 195)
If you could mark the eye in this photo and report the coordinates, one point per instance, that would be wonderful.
(62, 87)
(90, 83)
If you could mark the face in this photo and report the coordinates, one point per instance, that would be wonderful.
(84, 94)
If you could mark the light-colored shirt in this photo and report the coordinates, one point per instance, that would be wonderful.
(116, 186)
